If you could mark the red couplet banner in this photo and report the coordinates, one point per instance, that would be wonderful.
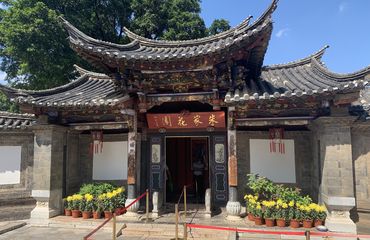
(186, 120)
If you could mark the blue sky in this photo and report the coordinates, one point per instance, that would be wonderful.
(303, 27)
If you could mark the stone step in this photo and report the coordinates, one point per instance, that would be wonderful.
(17, 201)
(16, 209)
(155, 230)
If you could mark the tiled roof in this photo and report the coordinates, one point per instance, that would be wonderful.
(144, 49)
(15, 121)
(91, 89)
(365, 99)
(307, 76)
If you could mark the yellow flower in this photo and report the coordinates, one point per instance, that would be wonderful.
(258, 207)
(279, 202)
(109, 195)
(291, 203)
(285, 205)
(119, 190)
(88, 197)
(102, 196)
(69, 198)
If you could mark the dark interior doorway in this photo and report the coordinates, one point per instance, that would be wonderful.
(187, 163)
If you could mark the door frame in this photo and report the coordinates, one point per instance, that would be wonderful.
(208, 137)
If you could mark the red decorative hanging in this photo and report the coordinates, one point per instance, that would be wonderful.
(96, 146)
(277, 139)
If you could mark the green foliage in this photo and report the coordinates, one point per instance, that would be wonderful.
(6, 105)
(184, 21)
(269, 190)
(150, 17)
(262, 186)
(34, 47)
(96, 189)
(218, 26)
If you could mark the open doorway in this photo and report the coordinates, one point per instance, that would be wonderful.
(187, 163)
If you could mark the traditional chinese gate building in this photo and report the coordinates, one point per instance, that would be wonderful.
(165, 105)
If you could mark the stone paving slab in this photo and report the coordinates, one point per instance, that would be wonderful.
(10, 226)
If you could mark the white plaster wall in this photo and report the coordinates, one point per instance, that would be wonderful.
(273, 165)
(10, 164)
(111, 164)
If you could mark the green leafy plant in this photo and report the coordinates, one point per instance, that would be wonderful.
(87, 203)
(66, 203)
(269, 209)
(295, 213)
(281, 210)
(75, 201)
(257, 210)
(262, 186)
(250, 202)
(96, 189)
(318, 212)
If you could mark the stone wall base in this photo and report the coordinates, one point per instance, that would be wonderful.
(41, 213)
(340, 224)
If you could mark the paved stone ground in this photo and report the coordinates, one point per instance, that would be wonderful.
(39, 233)
(63, 228)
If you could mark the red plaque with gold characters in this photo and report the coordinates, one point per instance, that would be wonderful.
(186, 120)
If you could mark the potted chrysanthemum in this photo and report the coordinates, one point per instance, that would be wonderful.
(295, 216)
(251, 205)
(75, 205)
(67, 206)
(281, 213)
(86, 205)
(307, 215)
(319, 215)
(108, 203)
(269, 212)
(258, 214)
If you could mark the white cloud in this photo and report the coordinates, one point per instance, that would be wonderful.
(282, 32)
(342, 7)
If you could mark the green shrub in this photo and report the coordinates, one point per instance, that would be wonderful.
(96, 189)
(267, 189)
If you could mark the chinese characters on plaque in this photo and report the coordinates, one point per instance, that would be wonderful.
(186, 120)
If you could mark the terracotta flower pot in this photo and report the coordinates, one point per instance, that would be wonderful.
(294, 223)
(270, 222)
(117, 211)
(307, 223)
(258, 220)
(250, 217)
(96, 215)
(281, 222)
(67, 212)
(107, 214)
(318, 222)
(76, 213)
(86, 214)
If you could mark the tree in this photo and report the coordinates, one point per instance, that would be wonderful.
(34, 48)
(184, 21)
(6, 105)
(218, 26)
(150, 17)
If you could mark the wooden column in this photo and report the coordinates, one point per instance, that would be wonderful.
(132, 162)
(233, 207)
